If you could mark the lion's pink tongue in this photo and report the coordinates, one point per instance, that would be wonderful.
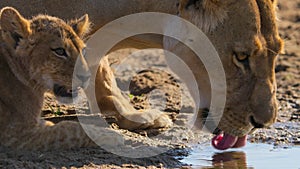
(241, 142)
(225, 141)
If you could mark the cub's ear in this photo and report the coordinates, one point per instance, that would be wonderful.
(12, 22)
(81, 26)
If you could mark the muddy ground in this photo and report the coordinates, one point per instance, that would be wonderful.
(156, 87)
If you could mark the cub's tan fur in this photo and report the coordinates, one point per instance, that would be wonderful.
(36, 55)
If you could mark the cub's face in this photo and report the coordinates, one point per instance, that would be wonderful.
(48, 49)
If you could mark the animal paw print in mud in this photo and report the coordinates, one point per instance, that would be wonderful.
(156, 89)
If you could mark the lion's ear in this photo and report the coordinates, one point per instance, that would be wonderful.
(186, 3)
(212, 12)
(81, 26)
(205, 3)
(11, 21)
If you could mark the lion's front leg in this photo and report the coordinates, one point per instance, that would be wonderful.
(110, 100)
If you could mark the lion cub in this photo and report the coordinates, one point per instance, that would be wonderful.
(38, 55)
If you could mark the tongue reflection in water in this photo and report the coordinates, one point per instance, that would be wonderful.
(225, 141)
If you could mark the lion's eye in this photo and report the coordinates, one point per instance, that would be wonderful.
(60, 52)
(241, 57)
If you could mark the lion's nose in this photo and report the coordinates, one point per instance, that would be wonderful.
(255, 124)
(264, 113)
(263, 104)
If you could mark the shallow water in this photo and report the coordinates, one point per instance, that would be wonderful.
(254, 156)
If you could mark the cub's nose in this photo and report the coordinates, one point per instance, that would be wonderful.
(83, 78)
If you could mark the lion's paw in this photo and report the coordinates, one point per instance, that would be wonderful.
(146, 119)
(157, 119)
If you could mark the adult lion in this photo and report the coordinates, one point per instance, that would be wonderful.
(244, 33)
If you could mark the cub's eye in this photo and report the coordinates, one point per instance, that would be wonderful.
(60, 52)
